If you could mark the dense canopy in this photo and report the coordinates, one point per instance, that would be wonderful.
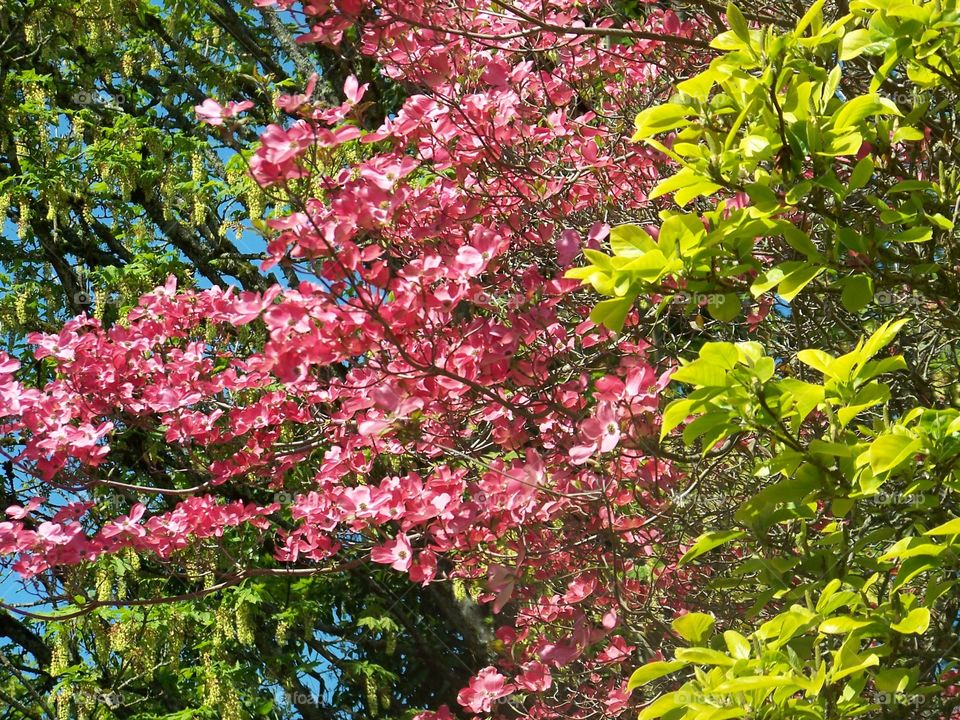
(479, 359)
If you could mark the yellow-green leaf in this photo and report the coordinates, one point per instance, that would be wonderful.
(612, 313)
(737, 22)
(660, 118)
(708, 541)
(889, 451)
(704, 656)
(915, 623)
(854, 43)
(630, 241)
(753, 682)
(737, 644)
(725, 307)
(951, 527)
(653, 671)
(693, 627)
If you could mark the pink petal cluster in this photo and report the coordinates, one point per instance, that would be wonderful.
(213, 113)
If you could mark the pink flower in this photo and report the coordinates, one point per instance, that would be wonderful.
(281, 145)
(397, 553)
(535, 677)
(442, 713)
(469, 260)
(213, 113)
(488, 685)
(353, 90)
(568, 247)
(129, 524)
(53, 533)
(424, 570)
(601, 432)
(617, 700)
(19, 513)
(291, 103)
(502, 581)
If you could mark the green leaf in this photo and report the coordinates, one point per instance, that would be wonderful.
(653, 671)
(798, 192)
(708, 541)
(599, 259)
(705, 423)
(841, 143)
(818, 360)
(699, 86)
(883, 336)
(693, 627)
(723, 354)
(869, 396)
(612, 313)
(660, 118)
(725, 307)
(701, 374)
(726, 713)
(912, 547)
(662, 705)
(861, 174)
(649, 267)
(813, 16)
(737, 22)
(910, 134)
(842, 625)
(781, 629)
(841, 671)
(767, 280)
(796, 281)
(853, 44)
(753, 682)
(704, 656)
(800, 242)
(737, 644)
(762, 197)
(855, 111)
(881, 367)
(889, 451)
(951, 527)
(857, 292)
(806, 396)
(684, 195)
(915, 623)
(913, 235)
(894, 680)
(631, 241)
(674, 414)
(828, 592)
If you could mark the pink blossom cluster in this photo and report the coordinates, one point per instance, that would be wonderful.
(436, 400)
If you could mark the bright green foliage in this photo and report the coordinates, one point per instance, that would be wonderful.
(863, 587)
(813, 167)
(771, 121)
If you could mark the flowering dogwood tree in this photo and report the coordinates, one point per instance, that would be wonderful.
(434, 395)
